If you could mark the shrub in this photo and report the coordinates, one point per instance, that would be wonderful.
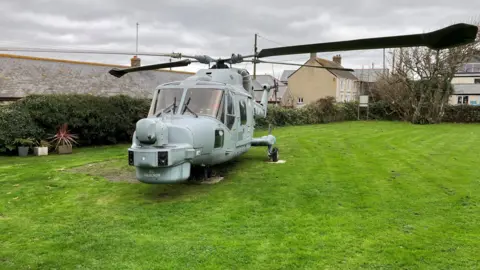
(96, 120)
(462, 114)
(15, 125)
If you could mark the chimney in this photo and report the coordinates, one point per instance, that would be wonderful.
(135, 61)
(337, 59)
(313, 55)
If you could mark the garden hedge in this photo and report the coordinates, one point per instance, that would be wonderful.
(96, 120)
(320, 112)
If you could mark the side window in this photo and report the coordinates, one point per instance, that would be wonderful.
(221, 110)
(218, 139)
(243, 112)
(230, 111)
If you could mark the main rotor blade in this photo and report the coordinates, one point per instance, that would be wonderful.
(120, 72)
(301, 65)
(32, 49)
(451, 36)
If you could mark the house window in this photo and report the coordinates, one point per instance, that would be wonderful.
(477, 81)
(300, 100)
(462, 100)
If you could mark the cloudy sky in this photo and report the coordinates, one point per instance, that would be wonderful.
(218, 27)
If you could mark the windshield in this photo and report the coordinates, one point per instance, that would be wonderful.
(202, 101)
(166, 98)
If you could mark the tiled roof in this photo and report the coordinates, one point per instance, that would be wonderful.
(268, 79)
(338, 73)
(369, 75)
(286, 74)
(22, 75)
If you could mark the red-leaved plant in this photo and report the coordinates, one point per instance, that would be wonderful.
(64, 137)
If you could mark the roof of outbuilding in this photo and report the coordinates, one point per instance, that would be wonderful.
(269, 80)
(369, 74)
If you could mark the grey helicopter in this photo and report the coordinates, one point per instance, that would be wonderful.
(209, 118)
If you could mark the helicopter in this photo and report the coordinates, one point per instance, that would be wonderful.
(209, 118)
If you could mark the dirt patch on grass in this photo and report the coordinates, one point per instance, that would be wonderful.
(112, 170)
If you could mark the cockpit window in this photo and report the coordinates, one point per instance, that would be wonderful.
(168, 98)
(202, 101)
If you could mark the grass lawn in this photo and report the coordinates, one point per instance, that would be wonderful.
(351, 195)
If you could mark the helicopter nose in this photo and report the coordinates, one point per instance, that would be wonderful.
(151, 131)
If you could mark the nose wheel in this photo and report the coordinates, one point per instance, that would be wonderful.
(200, 173)
(273, 155)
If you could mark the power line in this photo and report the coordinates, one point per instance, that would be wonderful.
(278, 43)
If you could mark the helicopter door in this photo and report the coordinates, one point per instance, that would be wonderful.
(243, 137)
(230, 123)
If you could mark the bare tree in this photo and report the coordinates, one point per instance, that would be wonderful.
(420, 84)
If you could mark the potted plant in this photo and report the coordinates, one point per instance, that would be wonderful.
(64, 140)
(42, 148)
(23, 145)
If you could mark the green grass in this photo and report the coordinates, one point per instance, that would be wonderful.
(351, 195)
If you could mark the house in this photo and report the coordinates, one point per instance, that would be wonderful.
(308, 84)
(367, 78)
(278, 95)
(469, 72)
(465, 94)
(24, 75)
(466, 83)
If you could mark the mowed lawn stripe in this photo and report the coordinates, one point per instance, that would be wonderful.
(351, 195)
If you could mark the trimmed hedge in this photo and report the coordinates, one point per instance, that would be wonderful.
(320, 112)
(96, 120)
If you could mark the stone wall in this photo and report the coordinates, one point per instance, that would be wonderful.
(21, 76)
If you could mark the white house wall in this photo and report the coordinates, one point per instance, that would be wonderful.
(464, 80)
(346, 90)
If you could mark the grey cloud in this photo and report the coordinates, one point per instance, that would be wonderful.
(218, 27)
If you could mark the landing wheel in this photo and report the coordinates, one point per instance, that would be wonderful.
(199, 174)
(207, 173)
(274, 154)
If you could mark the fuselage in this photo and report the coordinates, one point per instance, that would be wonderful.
(204, 120)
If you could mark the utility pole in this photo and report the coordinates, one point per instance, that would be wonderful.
(136, 48)
(383, 61)
(255, 58)
(393, 62)
(401, 58)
